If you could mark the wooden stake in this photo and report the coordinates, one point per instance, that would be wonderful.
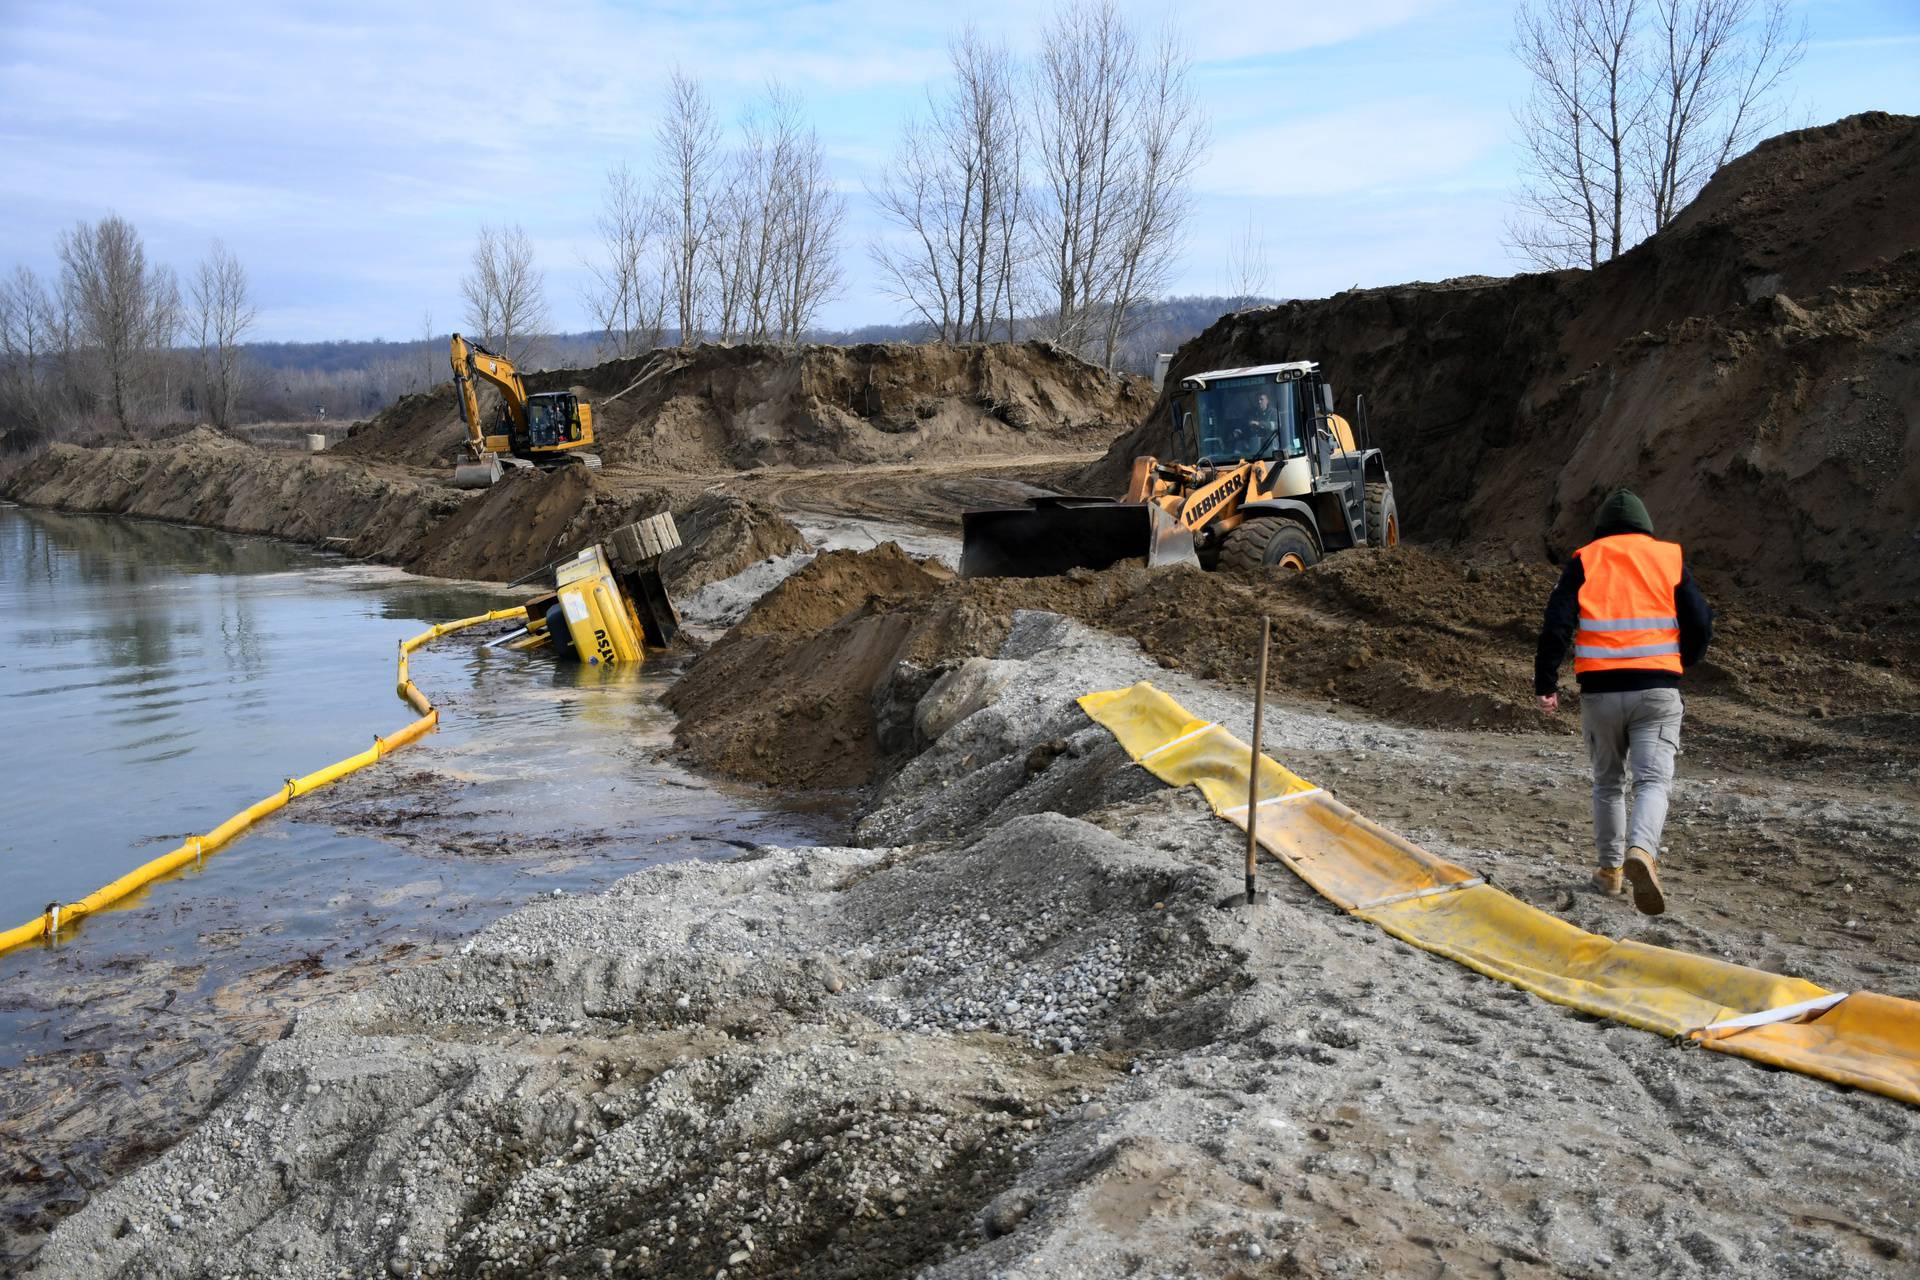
(1253, 764)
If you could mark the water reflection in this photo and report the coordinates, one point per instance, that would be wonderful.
(155, 679)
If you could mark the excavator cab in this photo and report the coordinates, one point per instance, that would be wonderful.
(553, 420)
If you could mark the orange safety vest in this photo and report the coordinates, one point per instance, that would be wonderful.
(1627, 621)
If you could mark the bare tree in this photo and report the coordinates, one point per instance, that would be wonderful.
(29, 349)
(1714, 67)
(623, 292)
(808, 213)
(1576, 129)
(505, 293)
(912, 195)
(119, 307)
(1085, 100)
(1170, 136)
(1633, 105)
(222, 314)
(436, 357)
(956, 193)
(688, 147)
(166, 375)
(1249, 273)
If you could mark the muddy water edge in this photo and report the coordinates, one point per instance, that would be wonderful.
(155, 679)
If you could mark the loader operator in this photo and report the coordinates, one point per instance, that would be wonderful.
(1628, 605)
(1262, 432)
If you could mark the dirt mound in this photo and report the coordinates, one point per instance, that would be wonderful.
(214, 480)
(786, 697)
(529, 519)
(793, 695)
(730, 408)
(1751, 371)
(835, 584)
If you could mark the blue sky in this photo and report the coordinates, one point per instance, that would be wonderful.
(348, 151)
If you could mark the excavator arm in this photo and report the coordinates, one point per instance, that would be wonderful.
(473, 363)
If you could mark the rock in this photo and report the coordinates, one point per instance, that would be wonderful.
(1785, 310)
(959, 693)
(1044, 755)
(1006, 1214)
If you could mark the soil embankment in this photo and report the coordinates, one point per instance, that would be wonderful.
(384, 513)
(790, 696)
(714, 435)
(723, 409)
(1753, 371)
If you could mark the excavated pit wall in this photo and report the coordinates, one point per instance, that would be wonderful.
(1753, 371)
(1014, 1035)
(527, 520)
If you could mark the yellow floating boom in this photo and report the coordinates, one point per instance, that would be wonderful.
(48, 925)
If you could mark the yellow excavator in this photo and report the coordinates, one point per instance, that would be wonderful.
(1276, 481)
(609, 604)
(544, 429)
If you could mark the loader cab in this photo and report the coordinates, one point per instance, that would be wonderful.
(1238, 415)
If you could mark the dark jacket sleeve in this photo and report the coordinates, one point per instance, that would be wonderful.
(1696, 619)
(1557, 628)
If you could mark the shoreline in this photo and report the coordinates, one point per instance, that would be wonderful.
(1038, 1048)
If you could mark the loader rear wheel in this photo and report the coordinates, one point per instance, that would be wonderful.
(1269, 544)
(1383, 517)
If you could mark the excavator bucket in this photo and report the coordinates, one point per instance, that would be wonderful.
(1057, 534)
(469, 474)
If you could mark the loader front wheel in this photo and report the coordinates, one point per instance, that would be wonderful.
(1268, 544)
(1383, 517)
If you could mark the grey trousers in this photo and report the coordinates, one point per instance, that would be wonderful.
(1630, 733)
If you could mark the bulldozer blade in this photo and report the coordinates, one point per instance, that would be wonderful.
(476, 475)
(1053, 536)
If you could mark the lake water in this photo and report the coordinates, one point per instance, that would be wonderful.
(154, 680)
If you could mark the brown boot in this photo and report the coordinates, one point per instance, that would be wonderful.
(1647, 894)
(1608, 881)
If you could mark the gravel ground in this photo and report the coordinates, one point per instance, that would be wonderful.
(1015, 1034)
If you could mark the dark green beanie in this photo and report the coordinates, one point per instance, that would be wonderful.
(1625, 510)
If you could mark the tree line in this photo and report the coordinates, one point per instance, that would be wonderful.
(1028, 199)
(115, 340)
(1046, 196)
(1633, 105)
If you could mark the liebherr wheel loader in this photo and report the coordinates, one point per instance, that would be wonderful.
(1276, 481)
(542, 429)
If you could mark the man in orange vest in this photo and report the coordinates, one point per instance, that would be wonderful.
(1628, 606)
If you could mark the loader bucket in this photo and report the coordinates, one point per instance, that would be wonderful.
(1057, 534)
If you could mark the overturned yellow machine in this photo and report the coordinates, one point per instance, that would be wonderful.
(609, 604)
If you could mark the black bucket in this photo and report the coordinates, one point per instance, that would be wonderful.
(1058, 534)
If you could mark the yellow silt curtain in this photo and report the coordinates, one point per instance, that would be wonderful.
(48, 925)
(1870, 1041)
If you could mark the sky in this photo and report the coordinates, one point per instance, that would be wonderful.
(348, 152)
